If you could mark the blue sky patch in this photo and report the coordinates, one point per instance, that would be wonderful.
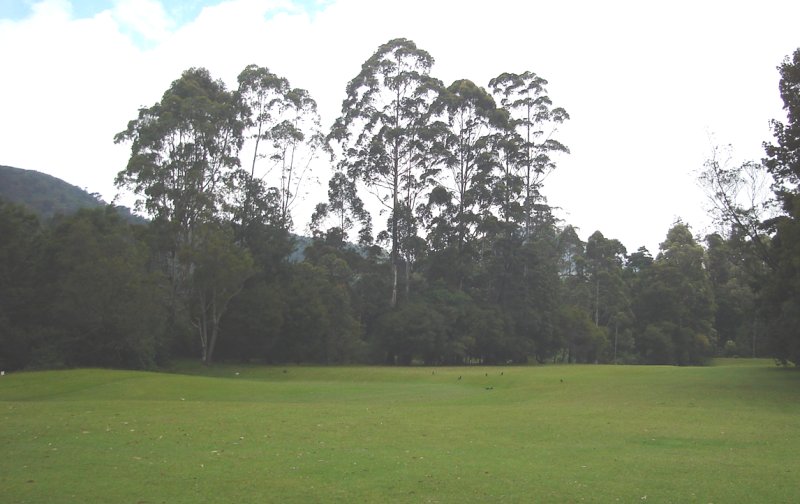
(14, 10)
(180, 11)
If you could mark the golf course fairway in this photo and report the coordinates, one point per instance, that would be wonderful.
(724, 433)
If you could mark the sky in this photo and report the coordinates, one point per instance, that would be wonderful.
(651, 87)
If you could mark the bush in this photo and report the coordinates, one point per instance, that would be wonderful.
(730, 349)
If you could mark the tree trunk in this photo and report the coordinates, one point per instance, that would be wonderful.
(395, 201)
(394, 284)
(214, 329)
(408, 278)
(202, 326)
(597, 303)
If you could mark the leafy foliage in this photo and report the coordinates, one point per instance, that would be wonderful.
(82, 293)
(383, 133)
(675, 303)
(783, 163)
(478, 268)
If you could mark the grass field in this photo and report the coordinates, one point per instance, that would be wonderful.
(724, 433)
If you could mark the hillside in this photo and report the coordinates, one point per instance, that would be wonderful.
(47, 196)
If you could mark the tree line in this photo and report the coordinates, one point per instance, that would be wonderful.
(465, 264)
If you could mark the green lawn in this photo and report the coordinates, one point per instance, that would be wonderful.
(723, 433)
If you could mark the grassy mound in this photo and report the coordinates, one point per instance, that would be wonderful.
(725, 433)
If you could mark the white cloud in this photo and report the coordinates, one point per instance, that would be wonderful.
(143, 18)
(52, 10)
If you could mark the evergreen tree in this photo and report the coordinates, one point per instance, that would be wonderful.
(675, 304)
(782, 295)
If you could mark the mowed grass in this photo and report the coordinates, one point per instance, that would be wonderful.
(724, 433)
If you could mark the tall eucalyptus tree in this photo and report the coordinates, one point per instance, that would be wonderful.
(468, 118)
(384, 115)
(184, 153)
(184, 166)
(284, 129)
(529, 142)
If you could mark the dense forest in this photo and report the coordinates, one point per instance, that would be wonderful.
(465, 264)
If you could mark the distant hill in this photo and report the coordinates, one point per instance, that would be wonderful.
(47, 196)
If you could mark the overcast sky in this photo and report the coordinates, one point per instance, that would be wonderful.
(650, 86)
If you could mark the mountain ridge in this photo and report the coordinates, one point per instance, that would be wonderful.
(48, 196)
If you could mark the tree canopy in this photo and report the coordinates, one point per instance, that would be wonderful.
(469, 263)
